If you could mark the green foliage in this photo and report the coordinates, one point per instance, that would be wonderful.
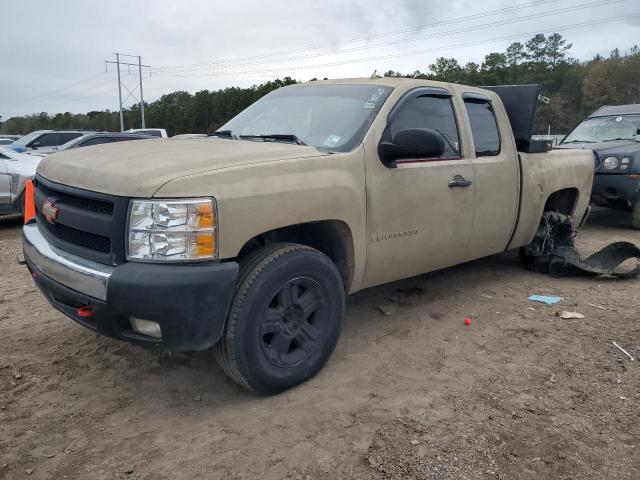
(575, 89)
(178, 112)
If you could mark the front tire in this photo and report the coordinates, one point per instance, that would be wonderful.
(635, 216)
(285, 318)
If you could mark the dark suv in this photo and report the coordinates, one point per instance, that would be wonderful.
(613, 133)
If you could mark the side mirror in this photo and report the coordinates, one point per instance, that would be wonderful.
(413, 143)
(35, 145)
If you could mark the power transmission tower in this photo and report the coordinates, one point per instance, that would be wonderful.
(118, 63)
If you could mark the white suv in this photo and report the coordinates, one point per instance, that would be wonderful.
(45, 139)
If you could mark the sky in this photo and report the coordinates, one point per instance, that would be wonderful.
(54, 52)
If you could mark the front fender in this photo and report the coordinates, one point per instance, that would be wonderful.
(257, 198)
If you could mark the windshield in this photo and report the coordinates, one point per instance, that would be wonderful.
(23, 141)
(602, 129)
(328, 117)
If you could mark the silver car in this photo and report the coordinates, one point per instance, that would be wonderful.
(15, 169)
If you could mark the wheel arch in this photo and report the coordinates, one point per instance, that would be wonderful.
(331, 237)
(563, 201)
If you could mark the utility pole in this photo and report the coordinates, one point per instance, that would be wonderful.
(118, 63)
(120, 94)
(141, 95)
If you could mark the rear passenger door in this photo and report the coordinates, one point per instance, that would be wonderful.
(418, 217)
(497, 176)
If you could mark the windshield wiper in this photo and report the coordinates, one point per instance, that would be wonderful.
(278, 137)
(624, 139)
(579, 141)
(222, 133)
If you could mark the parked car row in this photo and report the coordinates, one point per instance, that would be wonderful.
(20, 156)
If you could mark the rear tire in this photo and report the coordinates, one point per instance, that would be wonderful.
(635, 216)
(285, 318)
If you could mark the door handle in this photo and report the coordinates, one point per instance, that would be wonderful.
(459, 182)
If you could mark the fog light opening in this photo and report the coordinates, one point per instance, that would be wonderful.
(145, 327)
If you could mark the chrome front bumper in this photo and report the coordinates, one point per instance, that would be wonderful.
(72, 271)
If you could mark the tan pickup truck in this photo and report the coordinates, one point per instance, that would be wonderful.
(249, 240)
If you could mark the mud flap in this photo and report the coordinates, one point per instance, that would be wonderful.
(553, 251)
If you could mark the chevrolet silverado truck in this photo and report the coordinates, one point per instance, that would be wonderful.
(613, 133)
(248, 241)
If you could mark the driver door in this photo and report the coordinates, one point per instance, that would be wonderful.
(418, 218)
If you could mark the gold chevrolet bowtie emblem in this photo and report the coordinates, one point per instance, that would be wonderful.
(49, 211)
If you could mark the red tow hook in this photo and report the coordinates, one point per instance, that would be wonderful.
(85, 311)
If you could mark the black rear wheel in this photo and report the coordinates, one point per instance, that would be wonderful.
(284, 320)
(635, 216)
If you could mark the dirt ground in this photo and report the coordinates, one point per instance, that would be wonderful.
(519, 394)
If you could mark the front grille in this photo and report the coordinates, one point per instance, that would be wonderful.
(78, 237)
(92, 205)
(89, 224)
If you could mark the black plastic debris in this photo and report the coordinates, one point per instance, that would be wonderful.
(553, 251)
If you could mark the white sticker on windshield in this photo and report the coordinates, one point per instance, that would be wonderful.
(618, 119)
(373, 99)
(331, 141)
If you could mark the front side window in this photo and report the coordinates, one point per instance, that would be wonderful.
(48, 140)
(331, 117)
(434, 112)
(27, 139)
(484, 127)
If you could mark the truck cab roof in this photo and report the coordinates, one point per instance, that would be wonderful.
(616, 110)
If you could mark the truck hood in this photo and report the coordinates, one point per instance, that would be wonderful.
(141, 167)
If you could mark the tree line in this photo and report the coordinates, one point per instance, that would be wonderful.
(575, 88)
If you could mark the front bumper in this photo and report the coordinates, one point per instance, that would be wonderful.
(189, 302)
(611, 189)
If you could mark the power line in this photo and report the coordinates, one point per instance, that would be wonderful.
(362, 39)
(79, 82)
(72, 94)
(423, 37)
(420, 52)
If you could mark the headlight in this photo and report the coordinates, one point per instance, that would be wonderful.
(611, 163)
(625, 163)
(172, 230)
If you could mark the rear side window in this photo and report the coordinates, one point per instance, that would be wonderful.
(95, 141)
(429, 111)
(66, 137)
(152, 133)
(484, 127)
